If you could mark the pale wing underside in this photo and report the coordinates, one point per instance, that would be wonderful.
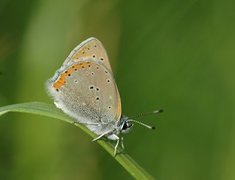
(90, 48)
(87, 92)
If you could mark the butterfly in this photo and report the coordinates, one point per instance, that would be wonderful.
(85, 89)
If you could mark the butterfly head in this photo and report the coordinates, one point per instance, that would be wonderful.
(125, 125)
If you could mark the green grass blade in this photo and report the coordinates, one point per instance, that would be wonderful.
(48, 110)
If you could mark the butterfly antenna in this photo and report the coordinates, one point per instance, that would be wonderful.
(138, 122)
(145, 114)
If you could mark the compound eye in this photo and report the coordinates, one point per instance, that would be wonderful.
(126, 126)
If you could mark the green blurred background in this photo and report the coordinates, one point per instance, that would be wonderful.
(175, 54)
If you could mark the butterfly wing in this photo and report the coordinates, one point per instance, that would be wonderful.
(91, 48)
(86, 90)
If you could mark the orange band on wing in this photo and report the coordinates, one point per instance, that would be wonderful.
(61, 80)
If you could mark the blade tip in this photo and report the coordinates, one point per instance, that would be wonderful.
(158, 111)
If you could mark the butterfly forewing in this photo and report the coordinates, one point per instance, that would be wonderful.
(91, 48)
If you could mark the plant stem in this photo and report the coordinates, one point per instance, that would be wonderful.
(48, 110)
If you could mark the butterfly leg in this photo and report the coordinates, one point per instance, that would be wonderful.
(122, 144)
(116, 146)
(113, 137)
(100, 136)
